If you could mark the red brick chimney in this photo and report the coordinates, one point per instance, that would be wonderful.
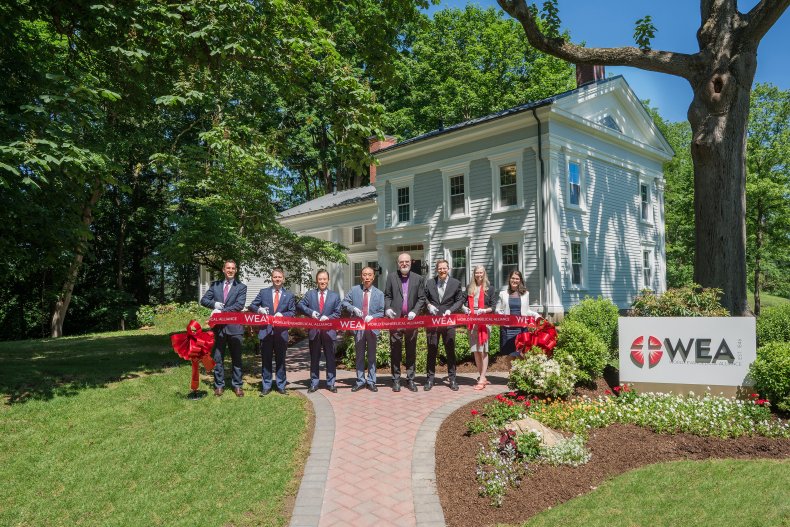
(587, 73)
(377, 144)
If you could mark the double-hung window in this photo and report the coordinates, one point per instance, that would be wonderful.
(645, 202)
(508, 260)
(404, 205)
(507, 183)
(458, 265)
(575, 184)
(508, 192)
(456, 190)
(647, 269)
(577, 259)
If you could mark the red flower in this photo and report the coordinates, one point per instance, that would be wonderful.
(520, 398)
(754, 396)
(511, 394)
(762, 401)
(616, 389)
(527, 404)
(510, 403)
(475, 412)
(607, 392)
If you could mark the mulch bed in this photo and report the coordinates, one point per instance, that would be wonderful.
(615, 450)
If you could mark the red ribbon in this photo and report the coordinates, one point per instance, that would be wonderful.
(544, 337)
(195, 345)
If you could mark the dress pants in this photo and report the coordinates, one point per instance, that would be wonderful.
(273, 346)
(448, 338)
(322, 340)
(234, 342)
(362, 340)
(396, 352)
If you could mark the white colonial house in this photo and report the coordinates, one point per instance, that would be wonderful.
(569, 190)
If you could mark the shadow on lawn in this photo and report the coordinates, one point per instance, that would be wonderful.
(42, 369)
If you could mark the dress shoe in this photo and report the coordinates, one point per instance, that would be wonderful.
(428, 386)
(412, 386)
(218, 391)
(311, 389)
(372, 388)
(332, 389)
(264, 393)
(239, 392)
(281, 391)
(396, 386)
(454, 385)
(357, 387)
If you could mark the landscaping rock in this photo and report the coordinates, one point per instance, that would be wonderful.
(549, 437)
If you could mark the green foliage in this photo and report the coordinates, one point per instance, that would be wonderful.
(773, 325)
(528, 445)
(588, 352)
(536, 374)
(476, 425)
(689, 301)
(172, 316)
(644, 32)
(771, 373)
(599, 316)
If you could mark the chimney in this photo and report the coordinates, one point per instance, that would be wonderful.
(587, 73)
(377, 144)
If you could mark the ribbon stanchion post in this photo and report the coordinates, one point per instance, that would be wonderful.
(195, 345)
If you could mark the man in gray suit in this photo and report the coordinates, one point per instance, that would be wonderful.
(443, 296)
(365, 301)
(404, 296)
(223, 296)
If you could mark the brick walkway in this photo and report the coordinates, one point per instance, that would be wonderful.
(372, 457)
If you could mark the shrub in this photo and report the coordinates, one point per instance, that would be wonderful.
(173, 316)
(345, 349)
(771, 373)
(689, 301)
(599, 316)
(583, 345)
(528, 444)
(145, 315)
(773, 325)
(539, 375)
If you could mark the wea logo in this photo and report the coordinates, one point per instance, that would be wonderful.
(693, 350)
(653, 349)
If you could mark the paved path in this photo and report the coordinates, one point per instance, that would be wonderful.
(372, 458)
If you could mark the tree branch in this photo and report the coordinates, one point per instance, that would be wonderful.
(679, 64)
(763, 16)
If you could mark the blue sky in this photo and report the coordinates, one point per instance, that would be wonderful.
(610, 23)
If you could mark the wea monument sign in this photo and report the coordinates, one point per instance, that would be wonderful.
(678, 354)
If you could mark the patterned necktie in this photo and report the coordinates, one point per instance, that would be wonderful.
(225, 292)
(365, 303)
(441, 290)
(321, 302)
(276, 299)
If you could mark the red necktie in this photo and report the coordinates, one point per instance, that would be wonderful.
(365, 304)
(276, 299)
(225, 292)
(321, 302)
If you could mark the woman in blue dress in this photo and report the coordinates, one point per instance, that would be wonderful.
(513, 300)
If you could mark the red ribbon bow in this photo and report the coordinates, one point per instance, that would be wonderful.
(544, 337)
(195, 345)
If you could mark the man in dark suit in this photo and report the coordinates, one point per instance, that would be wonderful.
(321, 304)
(443, 296)
(223, 296)
(404, 295)
(278, 302)
(365, 301)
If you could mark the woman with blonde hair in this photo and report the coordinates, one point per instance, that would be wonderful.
(480, 300)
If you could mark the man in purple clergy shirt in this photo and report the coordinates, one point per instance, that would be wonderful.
(404, 296)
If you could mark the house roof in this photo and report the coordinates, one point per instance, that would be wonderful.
(494, 116)
(342, 198)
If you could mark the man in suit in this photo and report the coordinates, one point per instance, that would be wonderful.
(365, 301)
(321, 304)
(278, 302)
(403, 296)
(223, 296)
(443, 296)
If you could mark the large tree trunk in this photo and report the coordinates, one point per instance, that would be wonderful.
(758, 247)
(64, 299)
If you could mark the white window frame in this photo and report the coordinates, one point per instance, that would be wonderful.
(582, 206)
(395, 184)
(648, 183)
(506, 238)
(649, 250)
(449, 172)
(500, 160)
(579, 237)
(351, 235)
(454, 245)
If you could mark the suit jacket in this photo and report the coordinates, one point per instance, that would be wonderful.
(375, 302)
(286, 306)
(237, 297)
(393, 294)
(489, 300)
(309, 304)
(454, 296)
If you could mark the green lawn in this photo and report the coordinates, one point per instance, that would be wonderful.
(77, 447)
(711, 493)
(767, 300)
